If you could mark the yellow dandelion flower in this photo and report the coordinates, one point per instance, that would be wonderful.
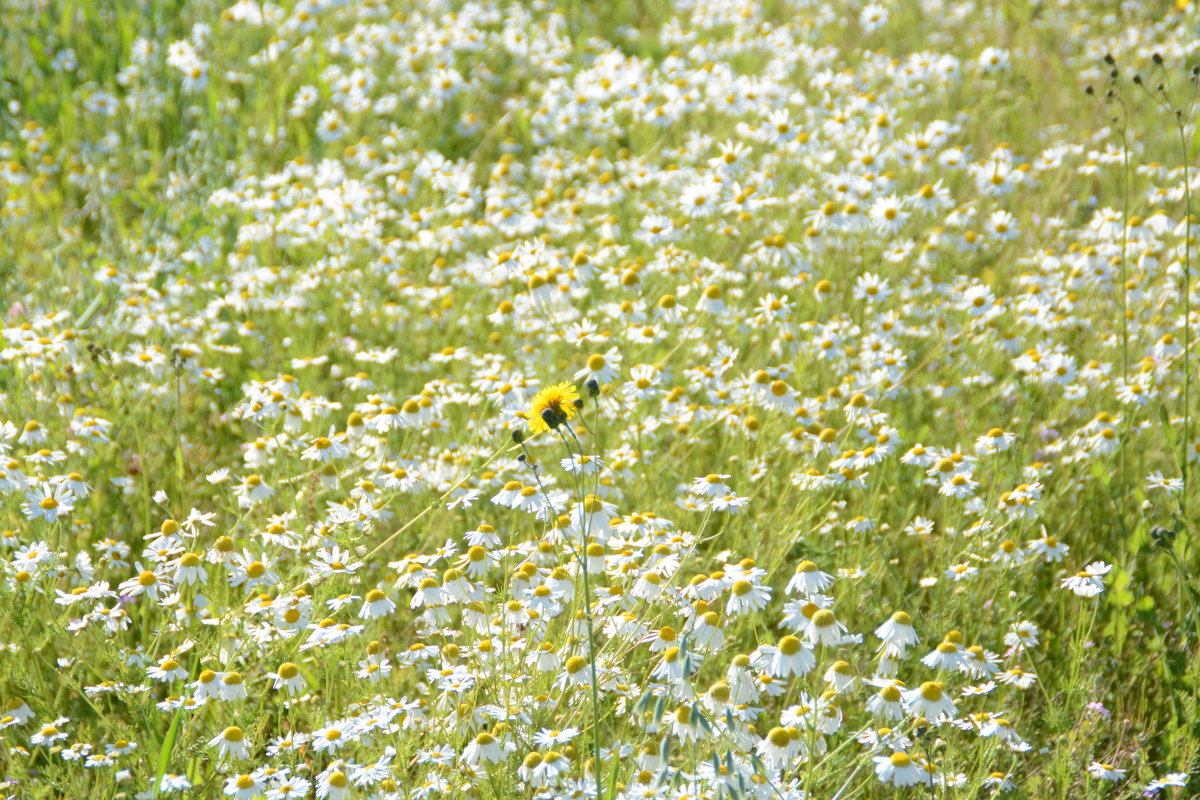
(557, 401)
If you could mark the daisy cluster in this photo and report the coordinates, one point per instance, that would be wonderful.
(484, 399)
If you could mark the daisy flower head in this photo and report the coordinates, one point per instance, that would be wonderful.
(231, 743)
(1174, 779)
(552, 406)
(601, 367)
(1105, 772)
(897, 633)
(243, 786)
(712, 485)
(888, 702)
(288, 676)
(376, 604)
(484, 748)
(50, 733)
(1088, 582)
(49, 502)
(1009, 553)
(824, 628)
(1049, 548)
(167, 670)
(994, 441)
(746, 596)
(948, 655)
(777, 748)
(840, 676)
(898, 769)
(790, 657)
(333, 784)
(1015, 676)
(1022, 635)
(930, 700)
(994, 59)
(808, 579)
(1156, 480)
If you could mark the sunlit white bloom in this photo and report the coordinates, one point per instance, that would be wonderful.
(231, 743)
(898, 769)
(1105, 772)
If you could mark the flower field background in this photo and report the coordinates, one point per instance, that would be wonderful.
(694, 399)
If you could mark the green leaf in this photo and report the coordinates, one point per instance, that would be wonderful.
(1120, 630)
(1165, 420)
(1139, 538)
(612, 783)
(164, 752)
(1120, 579)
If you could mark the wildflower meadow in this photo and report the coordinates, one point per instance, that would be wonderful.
(638, 400)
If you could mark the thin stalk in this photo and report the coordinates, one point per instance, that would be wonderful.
(1187, 312)
(581, 554)
(1124, 279)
